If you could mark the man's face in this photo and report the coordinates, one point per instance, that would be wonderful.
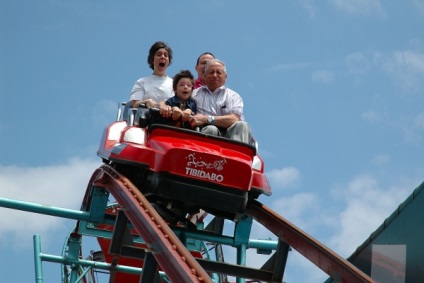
(200, 68)
(215, 76)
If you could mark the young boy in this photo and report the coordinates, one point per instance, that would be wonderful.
(182, 105)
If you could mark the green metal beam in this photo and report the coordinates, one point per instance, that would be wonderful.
(44, 209)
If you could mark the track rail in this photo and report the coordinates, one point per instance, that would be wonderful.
(172, 256)
(339, 269)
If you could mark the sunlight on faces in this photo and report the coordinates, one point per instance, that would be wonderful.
(60, 186)
(200, 68)
(184, 89)
(215, 76)
(161, 59)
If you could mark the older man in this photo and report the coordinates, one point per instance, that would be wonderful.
(220, 109)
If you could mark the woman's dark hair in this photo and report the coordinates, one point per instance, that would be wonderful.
(155, 47)
(183, 74)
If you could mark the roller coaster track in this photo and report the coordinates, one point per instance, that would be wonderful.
(173, 257)
(180, 266)
(336, 267)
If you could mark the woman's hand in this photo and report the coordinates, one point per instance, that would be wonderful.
(165, 110)
(149, 103)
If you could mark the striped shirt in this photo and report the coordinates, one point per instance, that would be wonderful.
(223, 101)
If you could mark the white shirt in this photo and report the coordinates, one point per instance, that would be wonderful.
(223, 101)
(153, 87)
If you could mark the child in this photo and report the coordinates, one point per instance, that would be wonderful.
(182, 105)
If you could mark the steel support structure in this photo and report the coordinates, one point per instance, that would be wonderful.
(164, 245)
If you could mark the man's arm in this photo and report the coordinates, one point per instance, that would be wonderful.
(224, 121)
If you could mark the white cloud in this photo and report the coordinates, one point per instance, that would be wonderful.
(419, 5)
(409, 127)
(283, 178)
(290, 67)
(360, 7)
(103, 112)
(59, 186)
(301, 209)
(309, 7)
(381, 159)
(357, 64)
(405, 67)
(322, 76)
(366, 207)
(342, 223)
(419, 121)
(372, 117)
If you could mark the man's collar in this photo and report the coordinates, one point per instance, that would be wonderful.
(221, 87)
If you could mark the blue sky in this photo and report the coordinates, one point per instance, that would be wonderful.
(334, 93)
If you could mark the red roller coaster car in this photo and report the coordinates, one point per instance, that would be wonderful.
(183, 170)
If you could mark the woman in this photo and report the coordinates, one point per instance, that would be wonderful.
(154, 89)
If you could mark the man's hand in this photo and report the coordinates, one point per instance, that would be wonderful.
(198, 120)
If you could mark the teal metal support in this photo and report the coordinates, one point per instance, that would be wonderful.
(99, 199)
(44, 209)
(37, 259)
(262, 244)
(72, 261)
(93, 264)
(83, 273)
(242, 231)
(87, 217)
(241, 241)
(74, 248)
(98, 204)
(241, 260)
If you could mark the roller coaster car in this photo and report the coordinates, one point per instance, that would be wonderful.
(182, 168)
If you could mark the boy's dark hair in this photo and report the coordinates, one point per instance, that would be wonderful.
(183, 74)
(155, 47)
